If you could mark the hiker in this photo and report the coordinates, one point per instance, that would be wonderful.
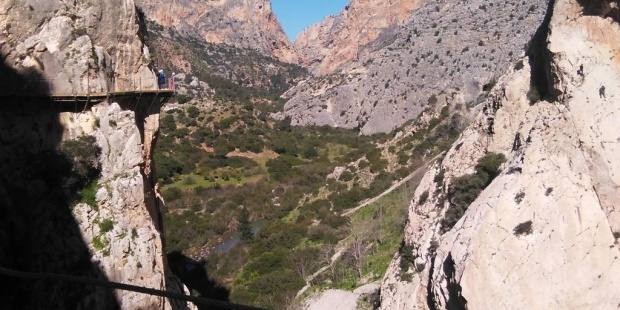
(161, 78)
(172, 81)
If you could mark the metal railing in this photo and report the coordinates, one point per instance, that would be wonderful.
(207, 302)
(32, 87)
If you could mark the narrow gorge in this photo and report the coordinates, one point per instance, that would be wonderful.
(398, 154)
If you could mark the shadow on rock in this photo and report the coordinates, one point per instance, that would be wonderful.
(38, 188)
(194, 275)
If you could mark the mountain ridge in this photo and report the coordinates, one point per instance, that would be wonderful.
(240, 23)
(447, 44)
(359, 28)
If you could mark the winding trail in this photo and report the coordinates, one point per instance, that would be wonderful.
(341, 246)
(418, 173)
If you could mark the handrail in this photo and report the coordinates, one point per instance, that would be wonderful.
(92, 97)
(32, 85)
(126, 287)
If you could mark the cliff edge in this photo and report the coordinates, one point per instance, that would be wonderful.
(522, 212)
(77, 185)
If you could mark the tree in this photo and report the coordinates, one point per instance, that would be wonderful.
(358, 248)
(310, 152)
(193, 112)
(325, 257)
(301, 262)
(305, 260)
(245, 228)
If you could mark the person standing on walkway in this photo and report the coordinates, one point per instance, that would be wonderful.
(161, 79)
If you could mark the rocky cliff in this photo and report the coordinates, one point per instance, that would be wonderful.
(447, 44)
(76, 183)
(542, 234)
(240, 23)
(363, 26)
(203, 68)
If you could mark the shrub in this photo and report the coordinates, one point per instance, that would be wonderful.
(100, 243)
(88, 194)
(193, 111)
(407, 260)
(438, 179)
(182, 99)
(423, 198)
(346, 199)
(377, 163)
(524, 228)
(310, 152)
(168, 124)
(346, 176)
(106, 226)
(279, 168)
(403, 157)
(172, 193)
(83, 153)
(489, 164)
(189, 180)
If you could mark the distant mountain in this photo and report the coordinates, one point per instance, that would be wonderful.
(205, 68)
(240, 23)
(361, 27)
(446, 45)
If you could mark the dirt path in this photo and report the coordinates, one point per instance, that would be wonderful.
(341, 245)
(418, 173)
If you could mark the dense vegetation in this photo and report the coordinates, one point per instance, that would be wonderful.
(241, 165)
(255, 196)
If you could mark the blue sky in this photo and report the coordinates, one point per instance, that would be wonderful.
(296, 15)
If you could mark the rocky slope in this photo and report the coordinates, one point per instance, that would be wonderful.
(362, 27)
(77, 187)
(240, 23)
(448, 44)
(205, 68)
(544, 233)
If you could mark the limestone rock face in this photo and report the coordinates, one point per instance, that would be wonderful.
(544, 234)
(364, 25)
(91, 46)
(49, 223)
(447, 44)
(240, 23)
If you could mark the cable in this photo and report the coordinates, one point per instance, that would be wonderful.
(126, 287)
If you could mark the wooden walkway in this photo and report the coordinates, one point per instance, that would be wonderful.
(98, 97)
(130, 99)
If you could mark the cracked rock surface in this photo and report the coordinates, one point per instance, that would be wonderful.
(544, 233)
